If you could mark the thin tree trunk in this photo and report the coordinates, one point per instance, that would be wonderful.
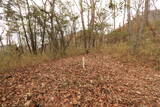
(35, 35)
(129, 18)
(43, 35)
(62, 41)
(1, 39)
(146, 12)
(31, 31)
(83, 25)
(1, 43)
(20, 41)
(24, 29)
(93, 6)
(124, 14)
(114, 15)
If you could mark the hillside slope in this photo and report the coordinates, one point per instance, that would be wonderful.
(144, 46)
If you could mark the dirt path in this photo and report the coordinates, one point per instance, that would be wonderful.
(64, 83)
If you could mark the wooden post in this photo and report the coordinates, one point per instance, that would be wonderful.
(83, 62)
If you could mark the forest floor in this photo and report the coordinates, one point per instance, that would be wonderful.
(105, 82)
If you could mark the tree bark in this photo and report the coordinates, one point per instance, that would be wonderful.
(146, 12)
(30, 30)
(83, 25)
(93, 7)
(24, 29)
(129, 18)
(124, 14)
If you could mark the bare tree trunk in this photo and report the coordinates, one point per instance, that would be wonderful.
(43, 34)
(53, 36)
(62, 41)
(9, 40)
(146, 12)
(34, 50)
(129, 18)
(35, 34)
(93, 7)
(83, 25)
(132, 38)
(114, 15)
(20, 41)
(1, 39)
(2, 44)
(24, 29)
(124, 14)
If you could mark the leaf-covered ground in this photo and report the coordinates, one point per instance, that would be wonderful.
(104, 82)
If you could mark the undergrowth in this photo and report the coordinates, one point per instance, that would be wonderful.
(148, 52)
(10, 58)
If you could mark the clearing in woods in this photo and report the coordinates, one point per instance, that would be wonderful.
(104, 82)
